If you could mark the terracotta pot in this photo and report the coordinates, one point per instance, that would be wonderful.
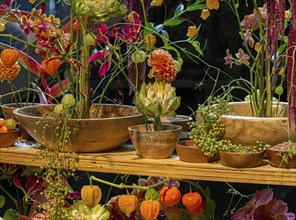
(241, 160)
(154, 144)
(106, 132)
(189, 153)
(275, 157)
(9, 138)
(242, 128)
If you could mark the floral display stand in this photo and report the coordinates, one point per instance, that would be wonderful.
(125, 161)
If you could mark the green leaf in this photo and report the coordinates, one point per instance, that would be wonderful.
(165, 37)
(158, 28)
(210, 208)
(173, 49)
(153, 194)
(196, 7)
(207, 192)
(179, 10)
(2, 201)
(196, 46)
(173, 22)
(148, 29)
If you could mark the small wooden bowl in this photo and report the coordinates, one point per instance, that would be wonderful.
(192, 154)
(9, 138)
(241, 160)
(275, 158)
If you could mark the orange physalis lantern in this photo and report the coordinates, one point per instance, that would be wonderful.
(149, 209)
(51, 66)
(91, 195)
(9, 57)
(193, 203)
(128, 203)
(170, 196)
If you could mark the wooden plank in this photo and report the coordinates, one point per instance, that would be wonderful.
(125, 161)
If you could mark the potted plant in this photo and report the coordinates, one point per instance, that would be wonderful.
(156, 140)
(206, 132)
(264, 52)
(239, 156)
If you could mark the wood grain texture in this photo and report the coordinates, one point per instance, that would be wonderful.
(125, 161)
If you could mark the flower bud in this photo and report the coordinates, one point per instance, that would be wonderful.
(68, 100)
(192, 31)
(178, 65)
(138, 56)
(150, 40)
(205, 13)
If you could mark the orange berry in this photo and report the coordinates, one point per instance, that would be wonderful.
(3, 129)
(169, 196)
(2, 122)
(128, 203)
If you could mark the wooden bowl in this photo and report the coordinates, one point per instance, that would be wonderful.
(275, 158)
(241, 160)
(9, 138)
(187, 152)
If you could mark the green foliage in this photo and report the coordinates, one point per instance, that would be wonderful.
(208, 129)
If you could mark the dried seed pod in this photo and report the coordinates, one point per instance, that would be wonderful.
(149, 209)
(170, 196)
(51, 66)
(9, 57)
(128, 203)
(91, 195)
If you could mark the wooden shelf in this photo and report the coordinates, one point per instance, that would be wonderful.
(125, 161)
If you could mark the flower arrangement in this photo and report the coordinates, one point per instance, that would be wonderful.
(263, 51)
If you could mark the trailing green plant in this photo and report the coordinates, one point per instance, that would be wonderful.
(289, 148)
(208, 129)
(229, 147)
(58, 165)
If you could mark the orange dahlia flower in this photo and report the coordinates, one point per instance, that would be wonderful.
(7, 73)
(163, 66)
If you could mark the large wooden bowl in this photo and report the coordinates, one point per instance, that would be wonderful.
(242, 128)
(109, 130)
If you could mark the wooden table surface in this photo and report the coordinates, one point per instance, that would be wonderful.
(125, 161)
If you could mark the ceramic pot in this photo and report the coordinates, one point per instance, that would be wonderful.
(241, 160)
(189, 153)
(242, 128)
(9, 138)
(154, 144)
(108, 131)
(7, 110)
(275, 157)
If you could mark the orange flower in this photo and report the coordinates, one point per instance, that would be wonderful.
(212, 4)
(163, 66)
(205, 13)
(9, 57)
(9, 73)
(150, 40)
(51, 66)
(156, 3)
(191, 31)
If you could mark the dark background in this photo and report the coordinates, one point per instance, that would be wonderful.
(221, 32)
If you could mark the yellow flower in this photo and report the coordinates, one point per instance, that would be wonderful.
(32, 1)
(150, 40)
(163, 66)
(191, 31)
(156, 3)
(9, 73)
(212, 4)
(205, 13)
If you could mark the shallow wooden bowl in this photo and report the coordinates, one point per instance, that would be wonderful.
(9, 138)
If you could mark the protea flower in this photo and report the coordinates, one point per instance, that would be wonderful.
(157, 99)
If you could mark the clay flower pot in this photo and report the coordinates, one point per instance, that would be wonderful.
(240, 159)
(9, 138)
(154, 144)
(276, 155)
(189, 153)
